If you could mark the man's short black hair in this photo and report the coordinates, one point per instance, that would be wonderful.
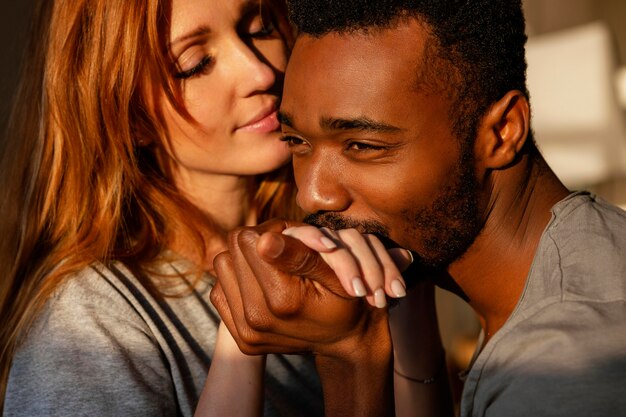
(478, 50)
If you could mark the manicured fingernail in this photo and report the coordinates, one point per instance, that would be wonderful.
(379, 298)
(359, 288)
(397, 287)
(288, 231)
(410, 256)
(328, 244)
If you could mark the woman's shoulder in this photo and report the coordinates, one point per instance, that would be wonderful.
(92, 300)
(95, 291)
(88, 346)
(112, 294)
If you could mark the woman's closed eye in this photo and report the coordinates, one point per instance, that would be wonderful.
(198, 69)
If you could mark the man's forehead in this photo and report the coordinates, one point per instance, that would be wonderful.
(408, 35)
(354, 75)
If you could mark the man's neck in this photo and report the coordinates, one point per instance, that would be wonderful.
(493, 271)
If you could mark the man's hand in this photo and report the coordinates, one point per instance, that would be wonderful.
(276, 295)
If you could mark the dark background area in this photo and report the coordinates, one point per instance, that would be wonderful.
(14, 24)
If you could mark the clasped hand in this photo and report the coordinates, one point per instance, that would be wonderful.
(286, 287)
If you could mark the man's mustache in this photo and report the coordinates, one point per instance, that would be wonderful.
(335, 221)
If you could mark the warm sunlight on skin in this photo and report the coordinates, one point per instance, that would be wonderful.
(370, 144)
(230, 61)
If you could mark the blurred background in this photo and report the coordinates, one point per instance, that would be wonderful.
(577, 81)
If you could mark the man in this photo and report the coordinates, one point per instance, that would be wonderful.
(411, 119)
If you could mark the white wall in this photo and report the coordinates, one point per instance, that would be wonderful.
(549, 15)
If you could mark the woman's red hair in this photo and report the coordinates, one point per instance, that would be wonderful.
(77, 186)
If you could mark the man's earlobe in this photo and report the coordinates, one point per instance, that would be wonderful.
(503, 131)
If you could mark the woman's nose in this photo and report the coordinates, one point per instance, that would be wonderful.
(254, 74)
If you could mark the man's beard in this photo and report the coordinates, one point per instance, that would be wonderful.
(445, 229)
(448, 226)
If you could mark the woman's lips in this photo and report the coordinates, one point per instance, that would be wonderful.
(267, 123)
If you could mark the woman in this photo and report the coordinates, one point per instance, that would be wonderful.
(144, 131)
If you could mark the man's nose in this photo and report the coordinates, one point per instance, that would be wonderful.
(320, 185)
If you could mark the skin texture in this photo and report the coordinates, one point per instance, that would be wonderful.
(239, 83)
(345, 173)
(229, 61)
(371, 145)
(335, 322)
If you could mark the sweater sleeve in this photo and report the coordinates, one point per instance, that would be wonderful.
(89, 353)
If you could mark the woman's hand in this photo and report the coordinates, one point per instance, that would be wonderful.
(360, 261)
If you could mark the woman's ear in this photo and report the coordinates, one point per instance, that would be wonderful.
(503, 131)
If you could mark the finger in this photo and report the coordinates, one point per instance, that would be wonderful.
(277, 225)
(401, 257)
(313, 237)
(335, 254)
(369, 264)
(254, 302)
(393, 281)
(259, 343)
(293, 257)
(225, 295)
(219, 301)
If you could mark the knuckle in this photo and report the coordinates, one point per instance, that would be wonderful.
(257, 320)
(308, 262)
(221, 261)
(247, 236)
(233, 235)
(249, 341)
(284, 305)
(218, 299)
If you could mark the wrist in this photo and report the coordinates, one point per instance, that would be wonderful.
(357, 370)
(417, 348)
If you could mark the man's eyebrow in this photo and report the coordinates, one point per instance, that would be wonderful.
(284, 118)
(359, 123)
(331, 123)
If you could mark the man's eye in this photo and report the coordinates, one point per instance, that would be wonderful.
(360, 146)
(292, 140)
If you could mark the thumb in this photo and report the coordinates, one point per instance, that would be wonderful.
(292, 256)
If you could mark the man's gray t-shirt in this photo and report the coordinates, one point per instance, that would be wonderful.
(562, 352)
(103, 345)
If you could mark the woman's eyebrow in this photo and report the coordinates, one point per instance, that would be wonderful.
(196, 33)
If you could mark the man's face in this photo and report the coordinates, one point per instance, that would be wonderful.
(373, 148)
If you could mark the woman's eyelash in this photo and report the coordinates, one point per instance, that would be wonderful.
(198, 69)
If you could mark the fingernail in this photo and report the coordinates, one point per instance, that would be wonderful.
(328, 244)
(359, 288)
(379, 298)
(397, 287)
(410, 256)
(288, 231)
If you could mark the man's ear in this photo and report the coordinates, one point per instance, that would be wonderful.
(503, 131)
